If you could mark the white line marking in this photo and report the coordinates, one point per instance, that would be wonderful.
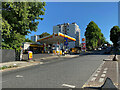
(41, 62)
(93, 79)
(66, 85)
(98, 71)
(117, 57)
(96, 75)
(104, 71)
(86, 83)
(103, 75)
(19, 76)
(103, 63)
(107, 59)
(101, 79)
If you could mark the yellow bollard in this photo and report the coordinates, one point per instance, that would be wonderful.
(57, 52)
(60, 52)
(30, 55)
(54, 51)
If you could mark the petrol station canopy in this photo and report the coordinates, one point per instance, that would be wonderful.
(55, 38)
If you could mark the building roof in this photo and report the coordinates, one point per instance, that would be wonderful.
(53, 39)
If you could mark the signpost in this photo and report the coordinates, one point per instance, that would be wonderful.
(83, 45)
(66, 41)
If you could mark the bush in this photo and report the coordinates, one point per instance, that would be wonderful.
(4, 67)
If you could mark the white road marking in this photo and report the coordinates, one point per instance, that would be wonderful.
(19, 76)
(107, 59)
(96, 75)
(104, 71)
(103, 63)
(41, 63)
(93, 79)
(86, 83)
(103, 75)
(66, 85)
(101, 79)
(117, 57)
(98, 71)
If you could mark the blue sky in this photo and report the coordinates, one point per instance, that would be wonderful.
(104, 14)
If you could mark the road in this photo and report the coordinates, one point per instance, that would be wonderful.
(55, 74)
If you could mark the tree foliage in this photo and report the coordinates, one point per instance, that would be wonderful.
(94, 37)
(114, 35)
(28, 40)
(44, 35)
(18, 20)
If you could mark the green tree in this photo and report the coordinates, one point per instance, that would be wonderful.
(103, 41)
(18, 20)
(44, 34)
(114, 35)
(28, 40)
(94, 37)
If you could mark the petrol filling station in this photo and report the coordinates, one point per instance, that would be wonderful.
(55, 42)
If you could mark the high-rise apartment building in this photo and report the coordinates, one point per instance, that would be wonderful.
(35, 38)
(70, 30)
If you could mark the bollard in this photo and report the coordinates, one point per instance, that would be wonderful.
(115, 58)
(108, 85)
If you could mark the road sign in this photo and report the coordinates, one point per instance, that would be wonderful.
(83, 39)
(66, 41)
(83, 47)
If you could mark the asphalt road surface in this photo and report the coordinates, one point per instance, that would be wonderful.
(60, 73)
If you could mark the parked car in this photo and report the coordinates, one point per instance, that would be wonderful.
(99, 49)
(108, 50)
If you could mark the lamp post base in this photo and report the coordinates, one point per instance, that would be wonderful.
(115, 59)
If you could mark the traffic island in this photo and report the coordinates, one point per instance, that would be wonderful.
(108, 69)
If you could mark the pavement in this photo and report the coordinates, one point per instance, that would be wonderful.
(44, 58)
(23, 64)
